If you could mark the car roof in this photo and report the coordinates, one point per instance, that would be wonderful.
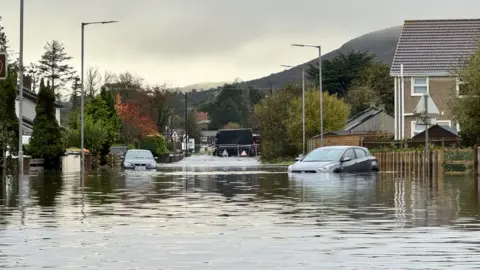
(138, 150)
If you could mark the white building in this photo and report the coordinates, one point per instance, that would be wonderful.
(29, 104)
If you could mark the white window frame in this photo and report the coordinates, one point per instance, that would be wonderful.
(414, 123)
(457, 88)
(412, 128)
(412, 86)
(448, 122)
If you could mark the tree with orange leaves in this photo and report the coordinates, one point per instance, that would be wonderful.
(135, 122)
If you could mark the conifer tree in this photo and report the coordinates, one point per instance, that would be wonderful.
(47, 141)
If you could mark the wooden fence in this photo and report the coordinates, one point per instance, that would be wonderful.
(441, 161)
(413, 163)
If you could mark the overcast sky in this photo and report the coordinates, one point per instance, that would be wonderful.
(180, 42)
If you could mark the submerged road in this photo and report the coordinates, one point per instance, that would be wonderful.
(233, 213)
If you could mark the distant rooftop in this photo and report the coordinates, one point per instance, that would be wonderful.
(435, 47)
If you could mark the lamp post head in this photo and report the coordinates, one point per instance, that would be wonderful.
(304, 45)
(101, 22)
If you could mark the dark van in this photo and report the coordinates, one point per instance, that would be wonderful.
(234, 141)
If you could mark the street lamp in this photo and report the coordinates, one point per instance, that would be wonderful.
(20, 106)
(82, 102)
(303, 106)
(319, 84)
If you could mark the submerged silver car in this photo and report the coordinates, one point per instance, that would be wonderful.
(139, 159)
(336, 159)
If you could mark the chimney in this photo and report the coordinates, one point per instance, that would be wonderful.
(372, 105)
(27, 83)
(381, 107)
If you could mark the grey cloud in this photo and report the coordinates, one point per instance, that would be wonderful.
(211, 31)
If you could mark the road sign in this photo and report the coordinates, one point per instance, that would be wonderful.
(3, 66)
(427, 107)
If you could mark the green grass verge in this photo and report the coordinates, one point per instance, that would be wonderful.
(279, 161)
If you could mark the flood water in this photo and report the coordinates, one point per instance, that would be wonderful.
(217, 213)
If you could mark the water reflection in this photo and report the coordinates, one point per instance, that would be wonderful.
(246, 217)
(45, 188)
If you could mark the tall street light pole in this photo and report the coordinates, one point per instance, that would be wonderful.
(303, 107)
(20, 104)
(82, 101)
(319, 84)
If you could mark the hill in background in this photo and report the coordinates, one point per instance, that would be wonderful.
(202, 86)
(382, 43)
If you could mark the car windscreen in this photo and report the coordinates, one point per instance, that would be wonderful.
(325, 154)
(138, 155)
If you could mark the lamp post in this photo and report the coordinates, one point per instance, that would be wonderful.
(319, 84)
(20, 105)
(303, 106)
(82, 102)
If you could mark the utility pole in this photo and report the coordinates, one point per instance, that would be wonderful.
(186, 125)
(303, 110)
(427, 150)
(20, 106)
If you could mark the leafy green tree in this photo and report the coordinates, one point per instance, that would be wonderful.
(233, 104)
(53, 65)
(3, 38)
(339, 72)
(465, 109)
(374, 85)
(95, 135)
(232, 125)
(8, 94)
(157, 144)
(9, 119)
(270, 116)
(226, 111)
(47, 140)
(335, 115)
(102, 108)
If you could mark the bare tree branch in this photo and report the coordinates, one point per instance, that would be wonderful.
(92, 81)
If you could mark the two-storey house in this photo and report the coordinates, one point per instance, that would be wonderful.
(428, 56)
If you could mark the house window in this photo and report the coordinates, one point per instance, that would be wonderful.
(417, 128)
(419, 86)
(444, 123)
(461, 89)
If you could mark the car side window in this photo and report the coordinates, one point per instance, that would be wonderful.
(360, 153)
(350, 153)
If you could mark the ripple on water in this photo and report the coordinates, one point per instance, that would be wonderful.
(249, 217)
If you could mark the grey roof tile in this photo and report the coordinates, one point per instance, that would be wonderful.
(435, 46)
